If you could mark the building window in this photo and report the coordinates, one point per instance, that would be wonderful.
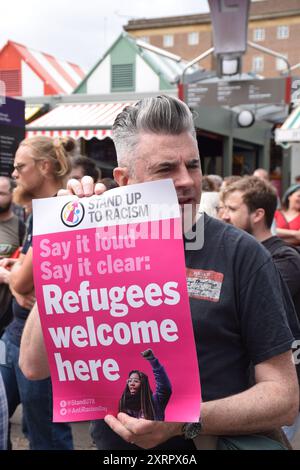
(281, 64)
(168, 40)
(122, 77)
(193, 39)
(258, 64)
(145, 39)
(12, 81)
(283, 32)
(259, 34)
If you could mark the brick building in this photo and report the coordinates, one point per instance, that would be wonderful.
(274, 24)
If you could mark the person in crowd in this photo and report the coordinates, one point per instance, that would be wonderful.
(19, 211)
(218, 180)
(210, 199)
(208, 185)
(288, 217)
(109, 183)
(17, 208)
(250, 205)
(229, 180)
(297, 179)
(226, 182)
(40, 168)
(12, 231)
(138, 400)
(262, 174)
(238, 313)
(3, 416)
(82, 166)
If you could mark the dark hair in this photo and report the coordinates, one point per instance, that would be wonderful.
(109, 183)
(88, 165)
(208, 184)
(285, 198)
(257, 194)
(146, 402)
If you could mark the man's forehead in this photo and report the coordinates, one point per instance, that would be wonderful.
(23, 151)
(168, 147)
(234, 196)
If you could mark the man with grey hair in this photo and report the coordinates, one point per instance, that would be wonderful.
(147, 117)
(171, 122)
(237, 312)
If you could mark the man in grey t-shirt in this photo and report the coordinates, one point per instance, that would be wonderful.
(11, 234)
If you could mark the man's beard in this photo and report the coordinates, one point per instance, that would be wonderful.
(5, 208)
(22, 196)
(248, 228)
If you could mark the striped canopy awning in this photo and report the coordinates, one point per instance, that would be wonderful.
(290, 130)
(61, 76)
(77, 120)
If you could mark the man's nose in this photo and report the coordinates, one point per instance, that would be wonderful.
(183, 177)
(225, 214)
(14, 173)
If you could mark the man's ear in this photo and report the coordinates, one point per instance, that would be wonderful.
(121, 175)
(45, 167)
(259, 215)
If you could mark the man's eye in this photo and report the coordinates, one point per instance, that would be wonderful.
(164, 169)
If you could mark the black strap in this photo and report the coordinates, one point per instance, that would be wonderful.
(21, 231)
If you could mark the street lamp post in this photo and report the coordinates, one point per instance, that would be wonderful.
(230, 27)
(188, 65)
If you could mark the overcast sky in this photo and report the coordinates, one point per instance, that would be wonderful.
(80, 31)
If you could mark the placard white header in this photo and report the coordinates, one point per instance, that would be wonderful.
(133, 204)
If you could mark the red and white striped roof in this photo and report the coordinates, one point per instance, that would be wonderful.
(63, 76)
(77, 120)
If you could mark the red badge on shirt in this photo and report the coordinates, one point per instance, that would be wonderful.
(204, 285)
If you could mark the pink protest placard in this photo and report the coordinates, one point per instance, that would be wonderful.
(110, 284)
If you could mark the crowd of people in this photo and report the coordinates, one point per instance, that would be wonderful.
(245, 329)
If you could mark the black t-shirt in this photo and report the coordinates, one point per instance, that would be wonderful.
(287, 261)
(237, 309)
(20, 314)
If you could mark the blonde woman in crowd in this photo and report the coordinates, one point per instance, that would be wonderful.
(40, 168)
